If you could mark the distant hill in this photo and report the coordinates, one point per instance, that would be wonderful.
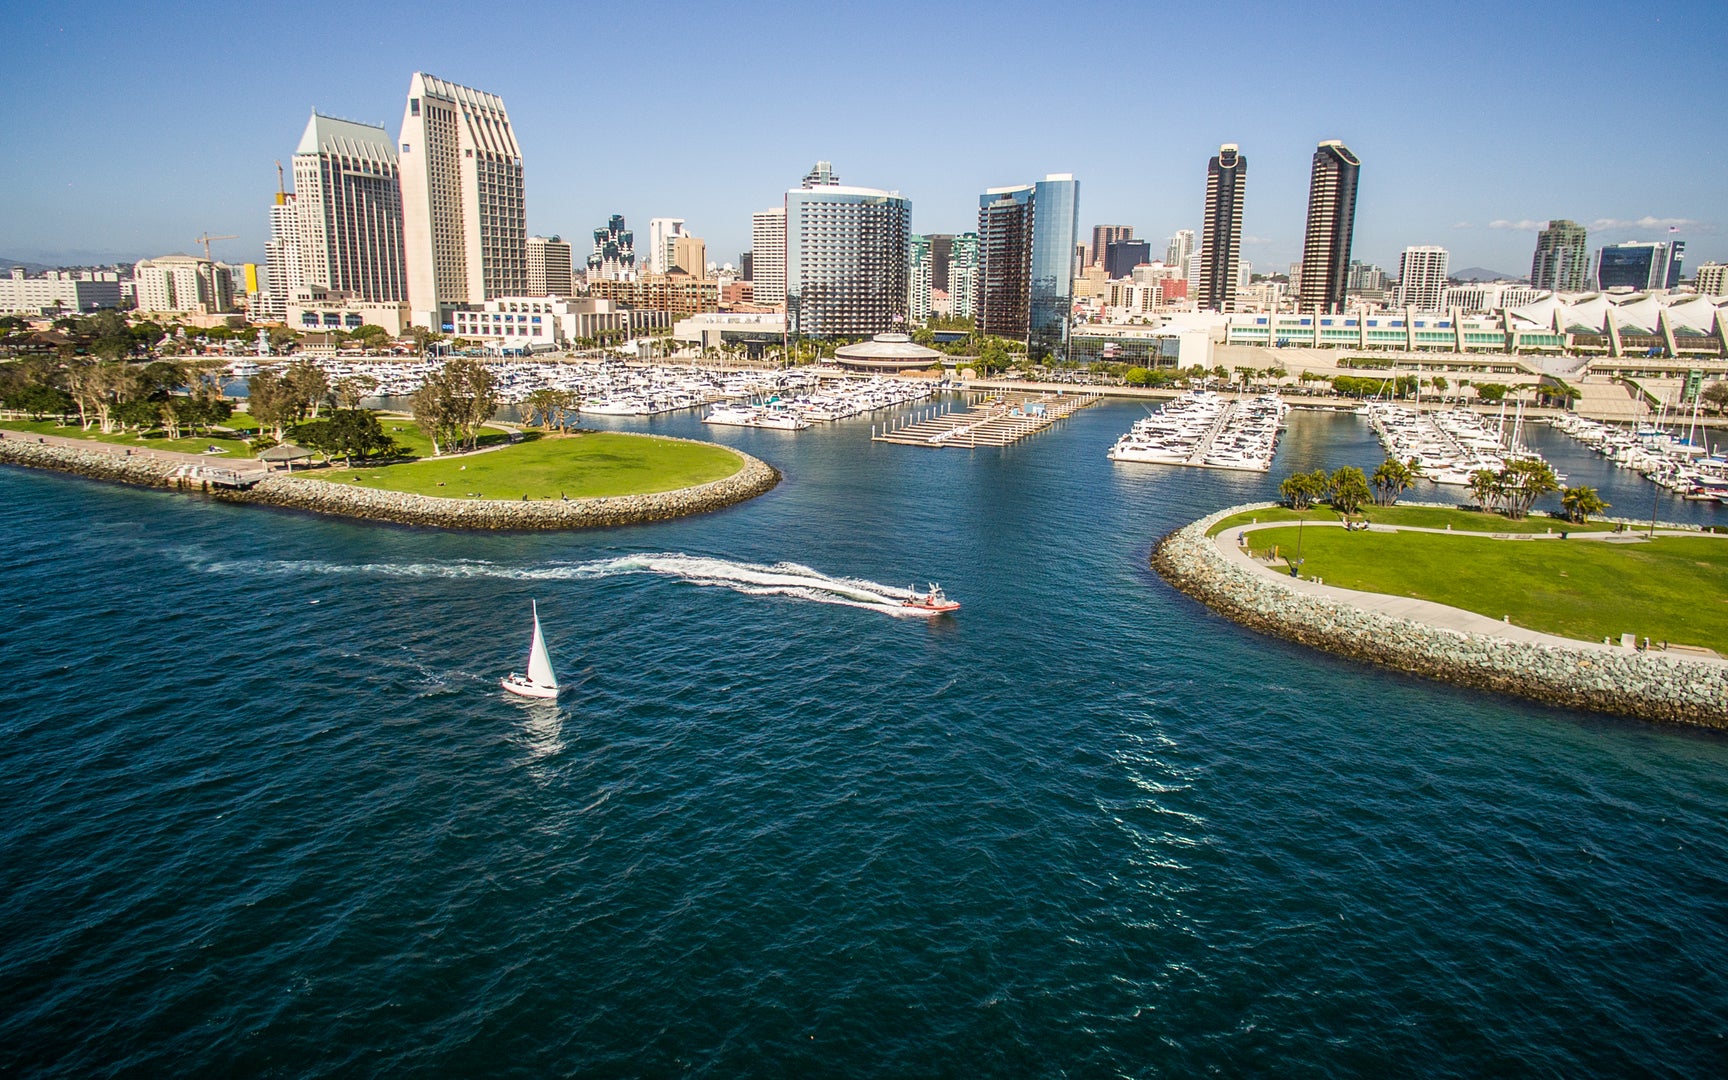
(1477, 273)
(6, 266)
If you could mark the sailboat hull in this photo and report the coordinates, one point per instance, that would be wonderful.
(519, 685)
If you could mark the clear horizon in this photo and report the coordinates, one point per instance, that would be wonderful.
(148, 128)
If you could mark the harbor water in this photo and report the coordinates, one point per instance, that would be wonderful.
(265, 811)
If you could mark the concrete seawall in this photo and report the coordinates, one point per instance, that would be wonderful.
(329, 497)
(1648, 685)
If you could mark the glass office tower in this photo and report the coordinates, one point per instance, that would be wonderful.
(1026, 241)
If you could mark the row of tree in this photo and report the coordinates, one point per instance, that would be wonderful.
(453, 402)
(1512, 489)
(115, 395)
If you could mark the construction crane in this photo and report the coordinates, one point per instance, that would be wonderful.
(205, 240)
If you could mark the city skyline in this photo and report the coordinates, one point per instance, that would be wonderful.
(99, 188)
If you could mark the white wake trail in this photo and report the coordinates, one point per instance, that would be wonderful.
(753, 579)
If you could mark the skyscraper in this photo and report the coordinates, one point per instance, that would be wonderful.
(1221, 235)
(1562, 257)
(768, 255)
(661, 232)
(550, 267)
(348, 199)
(963, 276)
(283, 268)
(1179, 247)
(941, 251)
(1422, 277)
(847, 250)
(1331, 223)
(1026, 241)
(1122, 256)
(614, 254)
(465, 225)
(1103, 236)
(920, 275)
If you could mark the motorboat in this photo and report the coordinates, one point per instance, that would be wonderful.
(933, 601)
(540, 681)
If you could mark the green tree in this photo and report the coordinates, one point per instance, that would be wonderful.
(1302, 490)
(1717, 394)
(1580, 502)
(349, 392)
(1523, 481)
(307, 387)
(454, 401)
(1349, 489)
(1485, 488)
(1137, 376)
(1392, 477)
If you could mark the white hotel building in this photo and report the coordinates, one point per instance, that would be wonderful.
(465, 224)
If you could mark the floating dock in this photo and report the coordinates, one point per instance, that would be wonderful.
(988, 420)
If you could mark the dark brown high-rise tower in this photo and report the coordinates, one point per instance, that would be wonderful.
(1331, 220)
(1221, 235)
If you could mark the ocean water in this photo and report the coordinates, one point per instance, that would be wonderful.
(264, 811)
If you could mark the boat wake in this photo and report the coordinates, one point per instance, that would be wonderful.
(754, 579)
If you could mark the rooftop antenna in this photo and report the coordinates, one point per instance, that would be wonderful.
(281, 186)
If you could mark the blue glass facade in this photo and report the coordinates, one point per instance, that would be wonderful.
(1055, 232)
(1640, 266)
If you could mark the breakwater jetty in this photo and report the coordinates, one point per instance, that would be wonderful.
(1583, 675)
(115, 465)
(992, 421)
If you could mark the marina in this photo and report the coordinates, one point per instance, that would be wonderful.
(997, 420)
(1448, 447)
(1205, 430)
(1685, 465)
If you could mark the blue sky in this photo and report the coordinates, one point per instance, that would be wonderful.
(137, 126)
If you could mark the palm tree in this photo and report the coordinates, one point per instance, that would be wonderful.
(1523, 481)
(1485, 488)
(1580, 502)
(1391, 478)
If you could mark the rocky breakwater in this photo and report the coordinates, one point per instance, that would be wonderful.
(1649, 685)
(99, 461)
(332, 497)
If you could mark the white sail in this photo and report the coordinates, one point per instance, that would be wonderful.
(539, 661)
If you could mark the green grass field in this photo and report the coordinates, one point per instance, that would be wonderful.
(550, 466)
(1672, 588)
(1421, 517)
(236, 448)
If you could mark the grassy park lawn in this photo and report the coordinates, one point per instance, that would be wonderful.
(1420, 517)
(1671, 588)
(236, 448)
(550, 466)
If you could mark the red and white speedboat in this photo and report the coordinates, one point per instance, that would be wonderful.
(933, 601)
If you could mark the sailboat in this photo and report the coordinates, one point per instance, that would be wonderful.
(540, 682)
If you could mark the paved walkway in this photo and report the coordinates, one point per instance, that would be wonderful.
(100, 447)
(1422, 611)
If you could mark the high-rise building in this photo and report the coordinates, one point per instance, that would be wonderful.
(768, 255)
(614, 254)
(1640, 264)
(747, 267)
(550, 263)
(1221, 235)
(1331, 224)
(1562, 257)
(348, 198)
(1102, 237)
(1422, 277)
(920, 276)
(465, 222)
(661, 232)
(283, 267)
(1026, 241)
(821, 174)
(1122, 256)
(1712, 279)
(963, 276)
(688, 255)
(847, 250)
(1179, 247)
(941, 251)
(1365, 277)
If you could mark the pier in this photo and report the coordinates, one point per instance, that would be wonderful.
(987, 420)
